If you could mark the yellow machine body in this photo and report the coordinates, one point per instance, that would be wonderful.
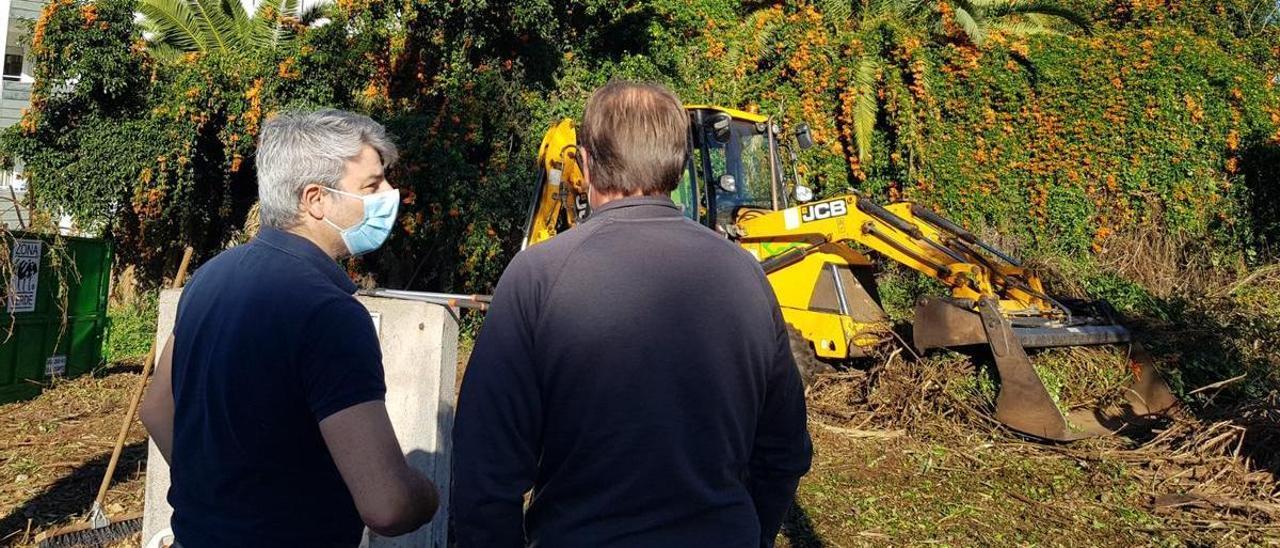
(560, 194)
(844, 219)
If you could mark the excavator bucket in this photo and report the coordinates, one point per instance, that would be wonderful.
(1023, 403)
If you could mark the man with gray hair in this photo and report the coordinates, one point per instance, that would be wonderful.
(268, 398)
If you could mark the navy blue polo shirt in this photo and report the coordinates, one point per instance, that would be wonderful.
(269, 341)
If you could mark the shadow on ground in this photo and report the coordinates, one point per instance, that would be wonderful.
(1220, 343)
(798, 529)
(70, 495)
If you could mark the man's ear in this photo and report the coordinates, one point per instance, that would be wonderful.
(584, 160)
(312, 198)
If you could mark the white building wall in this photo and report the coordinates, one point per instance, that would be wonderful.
(15, 95)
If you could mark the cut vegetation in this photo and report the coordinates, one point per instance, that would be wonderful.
(906, 452)
(54, 450)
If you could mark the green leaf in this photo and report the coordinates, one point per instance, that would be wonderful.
(173, 23)
(976, 33)
(1008, 8)
(866, 108)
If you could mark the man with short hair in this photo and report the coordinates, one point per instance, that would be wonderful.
(268, 398)
(634, 372)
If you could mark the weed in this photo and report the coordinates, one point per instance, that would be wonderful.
(900, 288)
(132, 328)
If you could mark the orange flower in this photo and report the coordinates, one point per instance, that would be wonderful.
(287, 70)
(1196, 110)
(254, 114)
(90, 14)
(30, 120)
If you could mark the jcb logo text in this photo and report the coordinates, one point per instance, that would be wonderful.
(824, 210)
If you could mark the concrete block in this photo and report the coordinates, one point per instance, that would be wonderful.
(156, 509)
(419, 356)
(420, 360)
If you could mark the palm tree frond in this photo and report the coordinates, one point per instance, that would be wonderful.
(265, 28)
(974, 7)
(1021, 28)
(290, 8)
(241, 23)
(969, 24)
(835, 11)
(1007, 8)
(220, 25)
(315, 12)
(174, 22)
(235, 9)
(165, 52)
(867, 105)
(216, 24)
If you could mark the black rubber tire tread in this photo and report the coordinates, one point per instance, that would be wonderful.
(807, 361)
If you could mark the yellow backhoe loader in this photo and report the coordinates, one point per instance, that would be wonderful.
(742, 181)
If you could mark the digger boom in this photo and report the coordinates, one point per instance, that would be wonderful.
(899, 233)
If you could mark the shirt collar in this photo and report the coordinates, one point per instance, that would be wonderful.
(638, 207)
(309, 252)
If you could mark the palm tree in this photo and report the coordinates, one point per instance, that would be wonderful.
(978, 18)
(176, 27)
(888, 67)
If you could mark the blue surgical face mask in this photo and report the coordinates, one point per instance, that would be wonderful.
(379, 217)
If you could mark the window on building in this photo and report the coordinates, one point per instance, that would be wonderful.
(13, 66)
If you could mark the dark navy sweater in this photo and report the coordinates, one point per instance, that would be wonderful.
(635, 373)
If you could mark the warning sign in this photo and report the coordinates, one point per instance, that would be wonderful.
(55, 365)
(26, 275)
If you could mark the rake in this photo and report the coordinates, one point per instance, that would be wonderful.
(100, 529)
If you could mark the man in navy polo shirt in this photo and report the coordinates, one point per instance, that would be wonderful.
(268, 398)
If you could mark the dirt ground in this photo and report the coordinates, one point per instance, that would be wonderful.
(917, 460)
(54, 450)
(909, 462)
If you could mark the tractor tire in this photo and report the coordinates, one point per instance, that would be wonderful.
(807, 361)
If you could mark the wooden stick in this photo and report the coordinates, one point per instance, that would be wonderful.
(1217, 384)
(147, 366)
(856, 433)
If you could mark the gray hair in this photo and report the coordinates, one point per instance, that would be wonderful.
(301, 148)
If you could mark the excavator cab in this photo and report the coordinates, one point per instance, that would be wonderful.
(815, 256)
(733, 165)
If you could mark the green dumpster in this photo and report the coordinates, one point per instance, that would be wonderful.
(38, 341)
